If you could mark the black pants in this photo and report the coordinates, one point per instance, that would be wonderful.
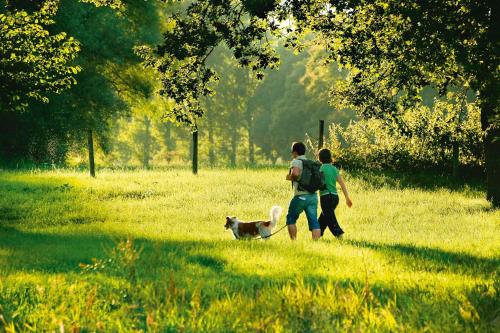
(327, 218)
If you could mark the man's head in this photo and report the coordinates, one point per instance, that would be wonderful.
(298, 148)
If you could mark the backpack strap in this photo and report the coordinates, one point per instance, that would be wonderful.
(306, 163)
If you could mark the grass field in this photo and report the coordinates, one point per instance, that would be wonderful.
(146, 251)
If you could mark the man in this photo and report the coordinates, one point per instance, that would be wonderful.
(302, 200)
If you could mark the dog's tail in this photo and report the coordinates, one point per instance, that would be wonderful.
(275, 215)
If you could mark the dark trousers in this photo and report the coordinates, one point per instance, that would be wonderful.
(327, 218)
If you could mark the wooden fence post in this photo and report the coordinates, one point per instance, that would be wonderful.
(195, 151)
(90, 145)
(456, 160)
(321, 134)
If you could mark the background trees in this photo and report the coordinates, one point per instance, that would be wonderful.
(392, 49)
(397, 48)
(421, 68)
(104, 33)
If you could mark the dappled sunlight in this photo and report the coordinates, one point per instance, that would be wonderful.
(62, 229)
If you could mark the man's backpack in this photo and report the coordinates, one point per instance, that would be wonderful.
(311, 179)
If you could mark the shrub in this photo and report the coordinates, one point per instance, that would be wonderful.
(423, 140)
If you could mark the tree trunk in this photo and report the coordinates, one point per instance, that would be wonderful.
(211, 150)
(167, 137)
(168, 141)
(211, 142)
(234, 146)
(90, 146)
(492, 163)
(251, 147)
(489, 99)
(146, 145)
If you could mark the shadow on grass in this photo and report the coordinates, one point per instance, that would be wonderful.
(434, 260)
(196, 265)
(52, 253)
(194, 260)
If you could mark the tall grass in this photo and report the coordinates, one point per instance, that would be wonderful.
(146, 251)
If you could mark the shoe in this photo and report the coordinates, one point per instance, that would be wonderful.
(340, 235)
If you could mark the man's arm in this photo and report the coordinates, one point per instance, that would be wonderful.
(293, 175)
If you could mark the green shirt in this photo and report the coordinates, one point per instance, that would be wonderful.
(331, 174)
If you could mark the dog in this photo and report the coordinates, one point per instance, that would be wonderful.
(246, 230)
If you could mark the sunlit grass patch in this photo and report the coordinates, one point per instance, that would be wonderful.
(413, 258)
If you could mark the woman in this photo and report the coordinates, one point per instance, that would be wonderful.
(329, 197)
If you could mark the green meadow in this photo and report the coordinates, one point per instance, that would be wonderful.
(137, 251)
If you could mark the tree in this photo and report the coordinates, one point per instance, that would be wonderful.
(229, 107)
(101, 92)
(33, 61)
(402, 47)
(105, 88)
(293, 99)
(391, 46)
(189, 41)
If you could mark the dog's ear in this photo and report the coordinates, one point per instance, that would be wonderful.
(228, 218)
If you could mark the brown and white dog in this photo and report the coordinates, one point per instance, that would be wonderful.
(242, 230)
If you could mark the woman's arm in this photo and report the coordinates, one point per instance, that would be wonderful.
(340, 180)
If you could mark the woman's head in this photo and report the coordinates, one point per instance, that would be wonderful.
(325, 156)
